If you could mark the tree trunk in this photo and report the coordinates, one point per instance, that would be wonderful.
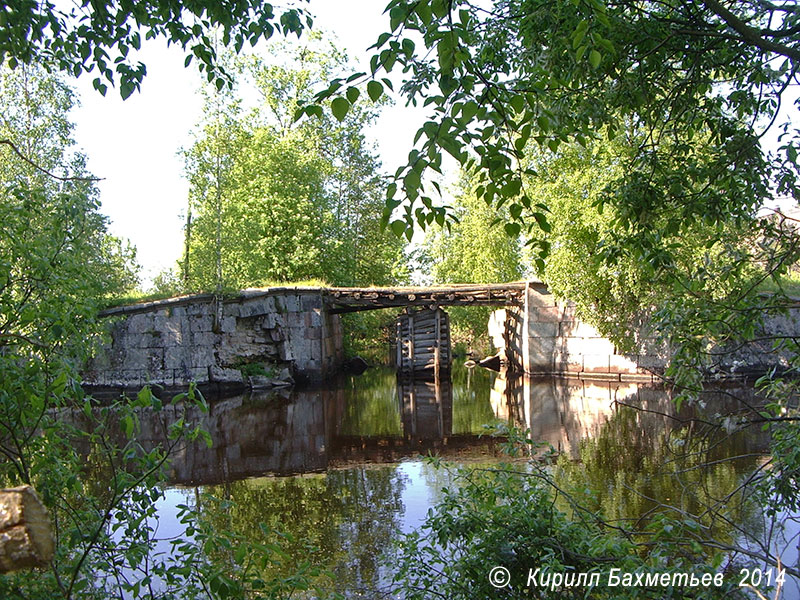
(26, 539)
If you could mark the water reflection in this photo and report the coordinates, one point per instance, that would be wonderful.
(371, 419)
(626, 452)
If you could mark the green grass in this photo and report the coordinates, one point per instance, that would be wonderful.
(140, 296)
(789, 284)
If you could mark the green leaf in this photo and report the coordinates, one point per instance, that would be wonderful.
(440, 8)
(579, 35)
(541, 219)
(339, 108)
(398, 227)
(352, 94)
(594, 58)
(423, 9)
(512, 229)
(374, 90)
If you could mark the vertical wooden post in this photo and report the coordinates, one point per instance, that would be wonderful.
(411, 357)
(437, 342)
(398, 340)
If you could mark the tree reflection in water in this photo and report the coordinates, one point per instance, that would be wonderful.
(626, 453)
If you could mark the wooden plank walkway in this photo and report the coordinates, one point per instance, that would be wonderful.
(345, 300)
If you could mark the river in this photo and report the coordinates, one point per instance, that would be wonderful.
(337, 474)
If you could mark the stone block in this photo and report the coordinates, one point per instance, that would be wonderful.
(160, 320)
(569, 312)
(583, 329)
(537, 329)
(568, 362)
(622, 364)
(172, 335)
(199, 308)
(198, 374)
(291, 303)
(201, 323)
(202, 356)
(251, 308)
(228, 324)
(175, 357)
(572, 345)
(204, 338)
(223, 375)
(536, 299)
(595, 363)
(139, 323)
(313, 317)
(311, 301)
(160, 377)
(547, 314)
(296, 320)
(313, 333)
(135, 358)
(152, 339)
(596, 345)
(232, 309)
(567, 328)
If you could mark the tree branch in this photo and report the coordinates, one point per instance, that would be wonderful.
(16, 151)
(749, 34)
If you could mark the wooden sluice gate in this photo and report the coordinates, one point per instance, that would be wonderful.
(423, 342)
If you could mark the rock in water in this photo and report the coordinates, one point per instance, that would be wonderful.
(491, 362)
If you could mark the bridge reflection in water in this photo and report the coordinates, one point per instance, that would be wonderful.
(361, 435)
(378, 418)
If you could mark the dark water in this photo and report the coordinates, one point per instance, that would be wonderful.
(339, 470)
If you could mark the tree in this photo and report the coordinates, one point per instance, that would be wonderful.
(521, 89)
(105, 36)
(295, 201)
(475, 249)
(618, 290)
(516, 72)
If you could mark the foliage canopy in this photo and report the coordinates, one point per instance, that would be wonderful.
(85, 36)
(502, 76)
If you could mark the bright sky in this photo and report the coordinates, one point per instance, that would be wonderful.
(134, 145)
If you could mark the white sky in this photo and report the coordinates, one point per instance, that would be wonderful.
(134, 144)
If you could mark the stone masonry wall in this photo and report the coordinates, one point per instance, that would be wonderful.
(545, 337)
(175, 342)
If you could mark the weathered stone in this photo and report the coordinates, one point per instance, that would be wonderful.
(223, 375)
(596, 345)
(596, 363)
(313, 318)
(548, 314)
(201, 323)
(538, 329)
(564, 361)
(622, 364)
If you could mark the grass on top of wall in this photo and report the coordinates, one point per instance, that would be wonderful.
(140, 296)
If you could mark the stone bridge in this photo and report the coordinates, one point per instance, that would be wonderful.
(284, 333)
